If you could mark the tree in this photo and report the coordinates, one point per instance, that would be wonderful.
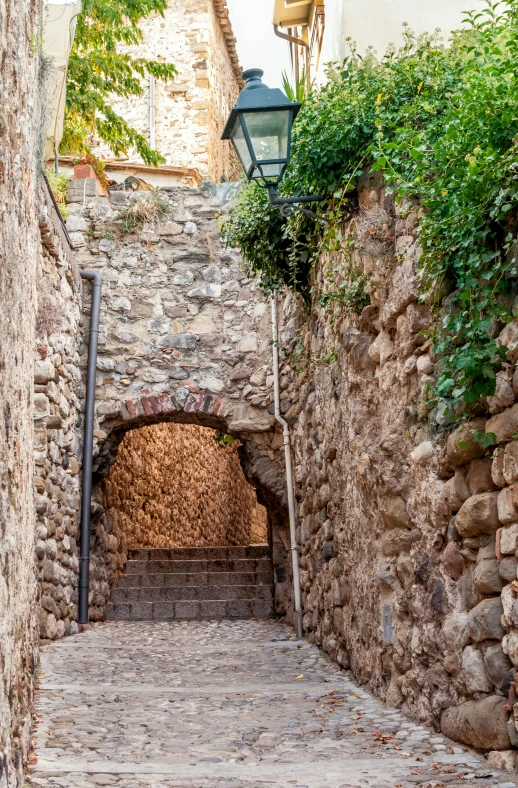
(98, 71)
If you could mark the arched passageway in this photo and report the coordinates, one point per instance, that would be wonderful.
(187, 524)
(181, 485)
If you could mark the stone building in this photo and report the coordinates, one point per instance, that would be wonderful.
(184, 118)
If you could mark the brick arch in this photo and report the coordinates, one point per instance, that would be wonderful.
(261, 459)
(184, 336)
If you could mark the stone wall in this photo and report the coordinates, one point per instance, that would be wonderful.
(58, 436)
(191, 110)
(19, 142)
(407, 539)
(183, 338)
(173, 485)
(224, 75)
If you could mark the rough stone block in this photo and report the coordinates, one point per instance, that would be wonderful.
(478, 515)
(453, 561)
(261, 608)
(484, 621)
(239, 608)
(141, 611)
(507, 568)
(510, 468)
(497, 469)
(460, 446)
(487, 577)
(479, 477)
(509, 539)
(474, 671)
(497, 663)
(187, 610)
(478, 723)
(455, 631)
(213, 609)
(503, 760)
(166, 611)
(44, 371)
(507, 510)
(504, 425)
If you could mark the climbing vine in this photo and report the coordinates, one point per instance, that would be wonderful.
(441, 124)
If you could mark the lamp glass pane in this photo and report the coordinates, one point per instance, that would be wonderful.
(269, 171)
(268, 132)
(237, 136)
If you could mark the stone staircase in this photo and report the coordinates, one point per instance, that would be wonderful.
(194, 584)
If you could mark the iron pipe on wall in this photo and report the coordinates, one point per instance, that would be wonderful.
(86, 501)
(299, 629)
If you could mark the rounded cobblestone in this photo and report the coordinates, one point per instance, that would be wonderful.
(225, 704)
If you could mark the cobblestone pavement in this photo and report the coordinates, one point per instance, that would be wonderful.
(225, 704)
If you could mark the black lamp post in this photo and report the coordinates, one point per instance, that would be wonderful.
(259, 128)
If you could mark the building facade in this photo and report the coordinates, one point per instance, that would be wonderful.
(184, 118)
(322, 31)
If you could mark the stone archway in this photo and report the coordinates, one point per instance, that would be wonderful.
(184, 335)
(261, 460)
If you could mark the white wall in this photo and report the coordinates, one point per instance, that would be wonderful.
(378, 23)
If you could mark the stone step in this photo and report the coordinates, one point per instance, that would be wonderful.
(150, 594)
(197, 553)
(189, 610)
(136, 567)
(160, 579)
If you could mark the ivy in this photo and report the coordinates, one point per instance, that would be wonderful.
(281, 252)
(441, 124)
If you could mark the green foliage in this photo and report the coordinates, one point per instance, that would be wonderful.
(58, 184)
(223, 440)
(302, 359)
(296, 92)
(441, 124)
(345, 285)
(281, 252)
(98, 71)
(485, 439)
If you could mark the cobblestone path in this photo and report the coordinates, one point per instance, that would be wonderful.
(227, 703)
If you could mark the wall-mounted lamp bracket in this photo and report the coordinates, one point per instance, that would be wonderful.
(288, 205)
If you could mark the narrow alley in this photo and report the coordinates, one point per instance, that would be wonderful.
(240, 703)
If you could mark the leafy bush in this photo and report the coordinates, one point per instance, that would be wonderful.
(442, 125)
(279, 251)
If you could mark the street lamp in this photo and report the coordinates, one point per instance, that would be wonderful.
(259, 127)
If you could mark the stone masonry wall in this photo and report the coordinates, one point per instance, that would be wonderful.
(183, 338)
(407, 539)
(173, 485)
(18, 254)
(224, 75)
(58, 437)
(190, 111)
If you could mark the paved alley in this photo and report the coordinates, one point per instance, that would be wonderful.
(224, 703)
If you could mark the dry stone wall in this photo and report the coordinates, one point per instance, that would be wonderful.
(173, 485)
(407, 537)
(19, 142)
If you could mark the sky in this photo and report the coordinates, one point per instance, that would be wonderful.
(257, 44)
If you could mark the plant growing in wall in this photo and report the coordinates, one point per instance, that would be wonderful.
(441, 124)
(98, 71)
